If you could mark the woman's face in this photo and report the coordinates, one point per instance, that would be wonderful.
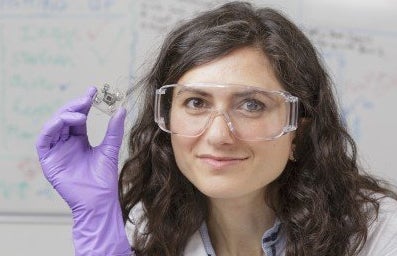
(216, 162)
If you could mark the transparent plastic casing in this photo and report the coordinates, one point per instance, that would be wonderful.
(108, 99)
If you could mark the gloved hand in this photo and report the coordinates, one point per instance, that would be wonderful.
(86, 177)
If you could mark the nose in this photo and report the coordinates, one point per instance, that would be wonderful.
(219, 130)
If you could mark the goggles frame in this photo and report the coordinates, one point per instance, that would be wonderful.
(292, 118)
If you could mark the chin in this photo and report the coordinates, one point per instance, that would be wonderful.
(221, 191)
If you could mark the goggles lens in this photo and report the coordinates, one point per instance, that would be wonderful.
(251, 113)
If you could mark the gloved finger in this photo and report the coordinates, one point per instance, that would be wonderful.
(81, 105)
(115, 131)
(52, 130)
(65, 133)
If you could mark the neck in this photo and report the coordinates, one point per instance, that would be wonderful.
(236, 226)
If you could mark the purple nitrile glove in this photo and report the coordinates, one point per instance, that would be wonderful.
(86, 177)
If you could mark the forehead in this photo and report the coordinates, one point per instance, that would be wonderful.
(244, 66)
(218, 90)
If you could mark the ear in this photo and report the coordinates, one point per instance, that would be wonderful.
(303, 123)
(292, 153)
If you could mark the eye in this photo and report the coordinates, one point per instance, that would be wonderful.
(252, 105)
(195, 103)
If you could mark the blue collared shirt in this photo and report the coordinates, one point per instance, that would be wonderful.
(273, 243)
(382, 234)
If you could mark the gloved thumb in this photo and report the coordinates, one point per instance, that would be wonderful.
(115, 131)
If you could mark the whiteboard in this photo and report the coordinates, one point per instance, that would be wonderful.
(52, 50)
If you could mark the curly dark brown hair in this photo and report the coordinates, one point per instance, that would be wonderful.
(321, 199)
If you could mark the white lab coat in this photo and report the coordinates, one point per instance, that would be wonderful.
(381, 241)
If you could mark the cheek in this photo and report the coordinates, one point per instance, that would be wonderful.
(182, 151)
(273, 157)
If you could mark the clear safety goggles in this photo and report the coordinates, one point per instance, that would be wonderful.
(251, 113)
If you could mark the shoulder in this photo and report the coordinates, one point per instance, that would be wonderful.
(382, 232)
(136, 224)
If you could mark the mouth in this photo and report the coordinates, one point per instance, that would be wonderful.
(220, 162)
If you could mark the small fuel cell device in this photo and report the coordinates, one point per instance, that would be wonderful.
(108, 99)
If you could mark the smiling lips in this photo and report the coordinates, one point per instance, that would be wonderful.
(221, 162)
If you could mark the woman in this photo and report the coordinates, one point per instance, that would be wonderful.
(238, 149)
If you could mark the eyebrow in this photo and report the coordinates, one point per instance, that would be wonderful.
(193, 90)
(248, 93)
(234, 95)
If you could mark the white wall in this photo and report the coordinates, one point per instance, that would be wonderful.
(36, 239)
(50, 51)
